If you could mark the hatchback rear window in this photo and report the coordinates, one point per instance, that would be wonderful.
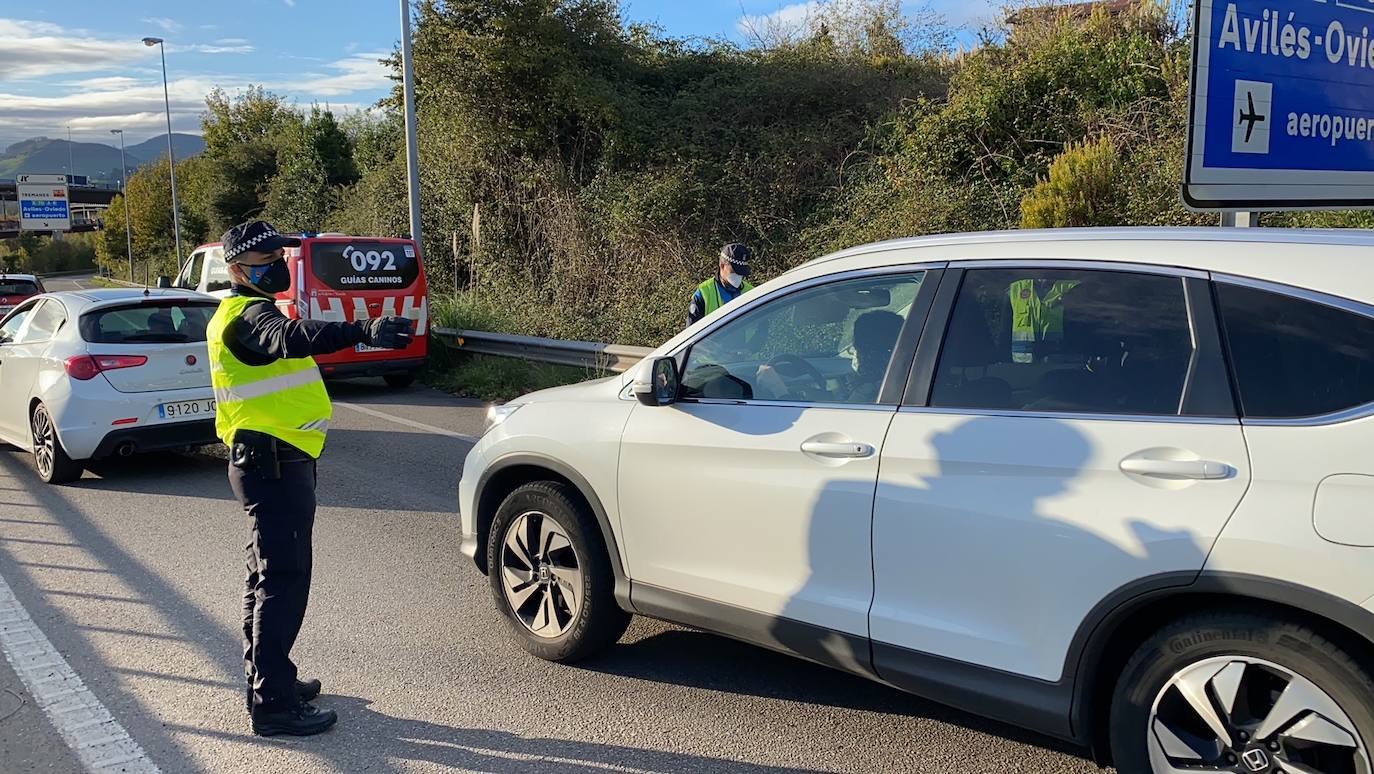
(156, 323)
(1296, 358)
(17, 287)
(365, 265)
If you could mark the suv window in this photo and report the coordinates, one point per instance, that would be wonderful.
(830, 344)
(216, 271)
(46, 320)
(364, 265)
(18, 288)
(1066, 340)
(194, 267)
(1296, 358)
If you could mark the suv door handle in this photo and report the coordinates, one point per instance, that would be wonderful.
(1201, 470)
(841, 450)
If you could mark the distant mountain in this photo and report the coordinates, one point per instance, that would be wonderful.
(185, 146)
(99, 161)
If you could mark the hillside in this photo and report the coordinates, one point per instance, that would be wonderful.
(100, 161)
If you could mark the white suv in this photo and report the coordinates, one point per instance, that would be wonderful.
(1116, 486)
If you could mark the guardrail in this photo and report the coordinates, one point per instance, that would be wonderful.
(72, 273)
(581, 354)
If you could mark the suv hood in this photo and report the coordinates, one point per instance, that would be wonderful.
(592, 390)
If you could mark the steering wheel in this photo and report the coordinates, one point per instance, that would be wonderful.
(789, 365)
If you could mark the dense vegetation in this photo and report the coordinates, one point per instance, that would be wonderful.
(579, 174)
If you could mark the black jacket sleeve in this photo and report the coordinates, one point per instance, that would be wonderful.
(263, 334)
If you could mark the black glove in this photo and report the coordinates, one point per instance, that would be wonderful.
(388, 332)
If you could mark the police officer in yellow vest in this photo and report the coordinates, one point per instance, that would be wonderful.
(1037, 317)
(728, 284)
(273, 413)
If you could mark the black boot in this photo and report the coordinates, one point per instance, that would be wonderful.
(301, 720)
(306, 690)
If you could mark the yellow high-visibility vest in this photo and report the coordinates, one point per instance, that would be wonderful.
(285, 399)
(710, 293)
(1036, 318)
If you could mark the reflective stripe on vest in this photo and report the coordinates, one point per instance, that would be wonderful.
(285, 399)
(710, 294)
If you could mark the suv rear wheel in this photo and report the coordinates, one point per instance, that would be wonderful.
(1242, 692)
(551, 575)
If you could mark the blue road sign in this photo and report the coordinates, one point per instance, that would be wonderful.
(1282, 105)
(52, 209)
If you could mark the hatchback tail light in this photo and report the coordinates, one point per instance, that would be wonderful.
(86, 367)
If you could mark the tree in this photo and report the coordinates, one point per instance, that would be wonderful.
(1083, 189)
(242, 137)
(149, 208)
(314, 161)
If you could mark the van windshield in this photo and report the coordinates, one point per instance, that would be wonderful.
(365, 265)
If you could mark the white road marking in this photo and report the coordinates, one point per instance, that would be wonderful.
(407, 422)
(92, 733)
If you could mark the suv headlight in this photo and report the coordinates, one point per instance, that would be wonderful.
(498, 414)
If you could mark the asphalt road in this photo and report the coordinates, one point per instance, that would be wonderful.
(54, 284)
(135, 573)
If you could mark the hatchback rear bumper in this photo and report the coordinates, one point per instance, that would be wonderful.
(200, 432)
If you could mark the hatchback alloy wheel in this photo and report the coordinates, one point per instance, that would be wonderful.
(541, 574)
(44, 442)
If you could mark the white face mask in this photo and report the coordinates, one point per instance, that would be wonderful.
(734, 280)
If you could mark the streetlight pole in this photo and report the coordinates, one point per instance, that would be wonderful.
(124, 192)
(412, 147)
(171, 159)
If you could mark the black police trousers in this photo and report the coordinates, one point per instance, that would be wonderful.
(281, 516)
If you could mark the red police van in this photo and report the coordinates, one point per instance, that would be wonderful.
(339, 277)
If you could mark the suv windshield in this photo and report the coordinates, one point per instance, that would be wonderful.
(163, 321)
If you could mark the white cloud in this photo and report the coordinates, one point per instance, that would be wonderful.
(171, 26)
(790, 18)
(107, 84)
(201, 48)
(359, 72)
(30, 49)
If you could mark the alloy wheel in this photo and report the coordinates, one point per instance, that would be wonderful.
(541, 574)
(1245, 715)
(44, 442)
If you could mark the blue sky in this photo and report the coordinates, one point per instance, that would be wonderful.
(81, 64)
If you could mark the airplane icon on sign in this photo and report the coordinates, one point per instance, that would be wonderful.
(1251, 118)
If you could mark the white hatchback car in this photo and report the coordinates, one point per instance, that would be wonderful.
(95, 373)
(1116, 486)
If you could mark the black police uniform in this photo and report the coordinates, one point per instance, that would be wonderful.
(275, 483)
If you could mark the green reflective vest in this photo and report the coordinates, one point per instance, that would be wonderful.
(285, 399)
(710, 292)
(1036, 318)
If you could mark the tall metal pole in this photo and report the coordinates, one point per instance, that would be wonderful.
(124, 192)
(71, 157)
(171, 159)
(412, 147)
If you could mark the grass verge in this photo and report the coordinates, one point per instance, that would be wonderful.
(496, 379)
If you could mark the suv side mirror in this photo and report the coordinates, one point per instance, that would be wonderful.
(661, 386)
(164, 282)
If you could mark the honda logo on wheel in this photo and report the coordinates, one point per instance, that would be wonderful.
(1256, 760)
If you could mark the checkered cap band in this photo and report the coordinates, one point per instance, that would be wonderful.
(242, 247)
(735, 255)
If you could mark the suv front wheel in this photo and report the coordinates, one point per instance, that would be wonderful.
(1242, 692)
(551, 574)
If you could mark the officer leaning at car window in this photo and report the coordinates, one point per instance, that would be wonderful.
(273, 413)
(728, 284)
